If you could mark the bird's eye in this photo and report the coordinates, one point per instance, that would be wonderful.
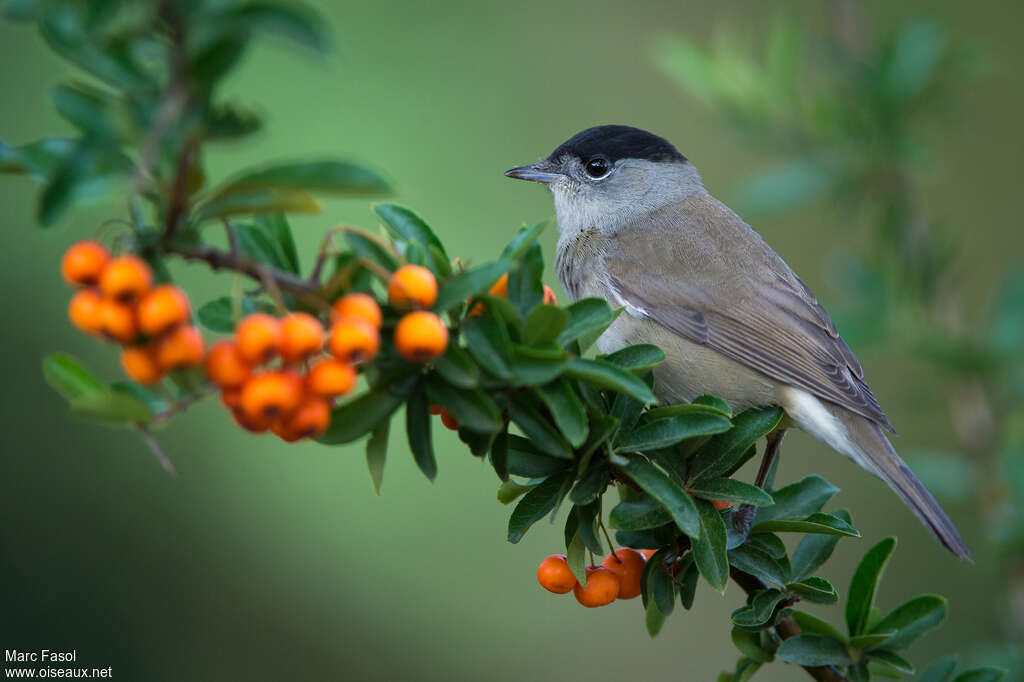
(598, 167)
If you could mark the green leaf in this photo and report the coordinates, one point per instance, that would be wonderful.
(525, 282)
(222, 314)
(538, 429)
(403, 223)
(587, 315)
(713, 402)
(276, 226)
(355, 418)
(40, 159)
(864, 584)
(758, 563)
(709, 548)
(815, 523)
(912, 619)
(898, 662)
(499, 455)
(637, 358)
(377, 453)
(566, 409)
(814, 550)
(591, 484)
(663, 433)
(544, 323)
(654, 619)
(664, 411)
(523, 239)
(509, 491)
(337, 177)
(369, 249)
(530, 369)
(575, 556)
(815, 590)
(689, 576)
(417, 426)
(255, 201)
(91, 171)
(469, 283)
(813, 650)
(869, 641)
(69, 377)
(606, 375)
(111, 405)
(760, 611)
(662, 591)
(525, 460)
(534, 506)
(639, 513)
(259, 245)
(984, 674)
(588, 516)
(813, 624)
(941, 670)
(662, 488)
(749, 644)
(726, 452)
(457, 368)
(730, 490)
(474, 409)
(798, 499)
(93, 111)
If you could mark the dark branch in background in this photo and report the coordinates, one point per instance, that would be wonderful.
(786, 627)
(222, 260)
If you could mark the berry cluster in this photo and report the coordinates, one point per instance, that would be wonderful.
(618, 577)
(293, 398)
(116, 299)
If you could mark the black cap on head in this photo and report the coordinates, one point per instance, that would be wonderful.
(616, 142)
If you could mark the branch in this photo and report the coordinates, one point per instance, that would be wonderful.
(786, 627)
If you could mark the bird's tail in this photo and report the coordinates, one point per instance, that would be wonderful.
(866, 445)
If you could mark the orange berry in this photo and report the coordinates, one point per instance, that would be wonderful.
(257, 424)
(85, 311)
(358, 305)
(436, 409)
(225, 366)
(118, 320)
(231, 397)
(309, 420)
(126, 278)
(354, 340)
(183, 346)
(602, 587)
(412, 286)
(139, 362)
(421, 336)
(648, 553)
(302, 335)
(554, 575)
(549, 296)
(84, 261)
(721, 504)
(449, 420)
(271, 395)
(259, 337)
(628, 565)
(280, 429)
(331, 378)
(500, 288)
(162, 308)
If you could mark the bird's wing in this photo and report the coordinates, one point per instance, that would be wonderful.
(696, 268)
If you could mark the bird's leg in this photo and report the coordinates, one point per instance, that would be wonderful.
(744, 516)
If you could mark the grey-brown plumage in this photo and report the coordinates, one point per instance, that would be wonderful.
(733, 319)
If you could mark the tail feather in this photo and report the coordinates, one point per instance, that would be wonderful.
(863, 441)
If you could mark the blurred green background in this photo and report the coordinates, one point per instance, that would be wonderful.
(264, 561)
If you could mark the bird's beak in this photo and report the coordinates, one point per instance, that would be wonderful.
(542, 171)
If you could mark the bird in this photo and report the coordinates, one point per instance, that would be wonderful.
(638, 228)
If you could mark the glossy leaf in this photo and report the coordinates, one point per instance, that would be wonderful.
(417, 426)
(798, 499)
(544, 323)
(586, 315)
(912, 619)
(663, 433)
(534, 506)
(726, 452)
(470, 283)
(222, 314)
(111, 405)
(526, 460)
(69, 377)
(814, 550)
(606, 375)
(355, 418)
(869, 641)
(457, 368)
(591, 484)
(566, 409)
(255, 201)
(815, 590)
(893, 660)
(730, 490)
(758, 563)
(815, 523)
(523, 239)
(336, 177)
(760, 611)
(813, 624)
(709, 548)
(257, 244)
(984, 674)
(276, 226)
(941, 670)
(543, 434)
(864, 585)
(474, 409)
(499, 455)
(813, 650)
(404, 224)
(639, 513)
(637, 358)
(675, 500)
